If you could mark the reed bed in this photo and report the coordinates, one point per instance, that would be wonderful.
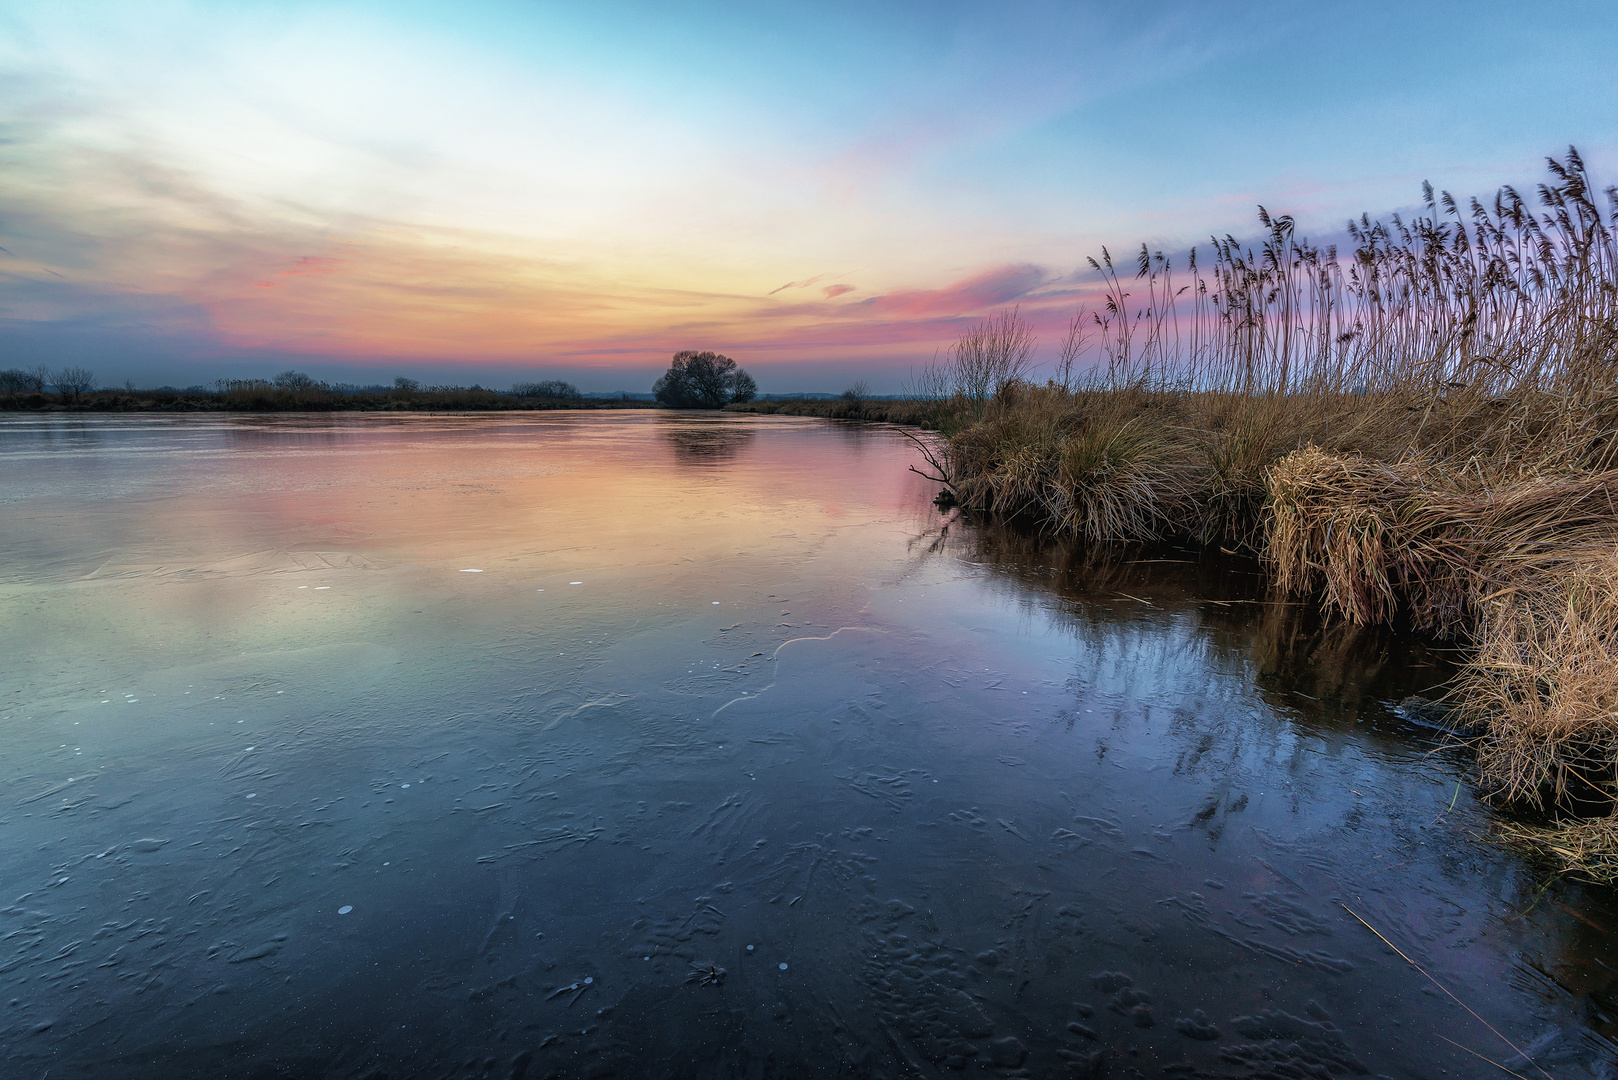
(1423, 428)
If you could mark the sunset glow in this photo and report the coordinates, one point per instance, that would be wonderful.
(487, 190)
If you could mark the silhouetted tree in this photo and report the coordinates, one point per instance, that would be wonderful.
(72, 381)
(294, 380)
(20, 381)
(549, 388)
(408, 386)
(703, 380)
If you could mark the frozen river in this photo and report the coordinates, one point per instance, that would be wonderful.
(655, 745)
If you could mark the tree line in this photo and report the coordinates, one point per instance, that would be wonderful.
(70, 382)
(694, 380)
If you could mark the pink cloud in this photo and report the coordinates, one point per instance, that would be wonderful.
(992, 288)
(306, 266)
(834, 291)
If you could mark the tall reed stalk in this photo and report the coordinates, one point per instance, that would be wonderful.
(1493, 297)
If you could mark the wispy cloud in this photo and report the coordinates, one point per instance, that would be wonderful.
(804, 284)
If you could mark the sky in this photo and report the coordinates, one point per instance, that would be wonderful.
(489, 192)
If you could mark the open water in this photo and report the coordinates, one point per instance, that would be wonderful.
(705, 746)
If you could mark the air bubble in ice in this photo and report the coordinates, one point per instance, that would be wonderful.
(588, 979)
(783, 967)
(345, 909)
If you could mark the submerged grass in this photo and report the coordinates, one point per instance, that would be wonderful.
(1424, 431)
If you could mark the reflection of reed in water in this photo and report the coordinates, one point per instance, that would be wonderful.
(1343, 671)
(707, 443)
(1213, 612)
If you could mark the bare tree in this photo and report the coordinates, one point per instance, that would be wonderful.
(858, 392)
(70, 382)
(549, 388)
(21, 381)
(995, 352)
(294, 380)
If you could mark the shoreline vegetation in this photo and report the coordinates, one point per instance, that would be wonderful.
(1422, 432)
(40, 390)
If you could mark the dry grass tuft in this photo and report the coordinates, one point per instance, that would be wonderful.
(1585, 848)
(1524, 567)
(1373, 538)
(1102, 466)
(1544, 680)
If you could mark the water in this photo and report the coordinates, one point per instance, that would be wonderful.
(735, 758)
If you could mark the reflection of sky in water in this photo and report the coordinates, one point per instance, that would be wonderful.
(969, 788)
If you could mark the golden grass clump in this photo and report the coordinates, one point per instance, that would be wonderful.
(1544, 681)
(1101, 466)
(1372, 538)
(1581, 847)
(1524, 567)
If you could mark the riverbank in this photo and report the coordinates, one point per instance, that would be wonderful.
(1492, 522)
(1427, 437)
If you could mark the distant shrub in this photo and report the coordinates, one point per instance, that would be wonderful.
(18, 381)
(294, 380)
(703, 380)
(548, 388)
(404, 385)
